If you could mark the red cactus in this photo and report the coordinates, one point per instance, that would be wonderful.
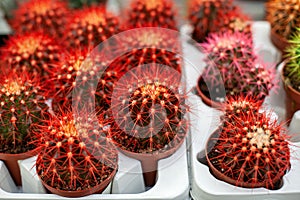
(90, 26)
(76, 154)
(22, 106)
(232, 65)
(148, 110)
(250, 151)
(151, 13)
(48, 16)
(78, 72)
(141, 47)
(36, 53)
(203, 15)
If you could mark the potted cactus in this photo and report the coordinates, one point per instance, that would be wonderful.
(138, 47)
(22, 107)
(249, 149)
(203, 14)
(283, 16)
(232, 69)
(77, 159)
(48, 16)
(34, 52)
(151, 13)
(148, 116)
(89, 27)
(291, 76)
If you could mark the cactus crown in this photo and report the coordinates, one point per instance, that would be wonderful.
(152, 13)
(22, 106)
(89, 27)
(76, 154)
(292, 69)
(256, 151)
(48, 16)
(283, 16)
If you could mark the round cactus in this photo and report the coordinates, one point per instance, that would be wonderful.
(22, 105)
(89, 27)
(47, 16)
(232, 65)
(151, 13)
(148, 110)
(292, 69)
(250, 151)
(141, 47)
(203, 15)
(77, 72)
(76, 154)
(36, 53)
(283, 16)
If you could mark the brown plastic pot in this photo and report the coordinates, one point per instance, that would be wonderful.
(149, 162)
(80, 193)
(280, 42)
(292, 101)
(206, 99)
(11, 162)
(220, 176)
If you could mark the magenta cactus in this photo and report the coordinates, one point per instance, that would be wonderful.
(233, 68)
(250, 151)
(76, 155)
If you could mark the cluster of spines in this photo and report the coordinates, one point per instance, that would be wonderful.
(34, 52)
(151, 13)
(90, 26)
(22, 105)
(251, 150)
(283, 16)
(76, 154)
(48, 16)
(148, 111)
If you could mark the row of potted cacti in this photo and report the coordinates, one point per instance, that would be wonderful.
(140, 106)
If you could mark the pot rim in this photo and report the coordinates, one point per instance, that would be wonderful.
(276, 38)
(20, 156)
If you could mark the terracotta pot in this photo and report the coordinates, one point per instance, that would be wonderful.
(216, 173)
(292, 100)
(149, 162)
(280, 42)
(206, 99)
(11, 162)
(80, 193)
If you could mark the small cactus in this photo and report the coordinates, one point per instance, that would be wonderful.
(141, 47)
(22, 105)
(36, 53)
(76, 72)
(152, 13)
(283, 16)
(48, 16)
(232, 65)
(89, 27)
(250, 151)
(203, 15)
(148, 110)
(76, 154)
(292, 69)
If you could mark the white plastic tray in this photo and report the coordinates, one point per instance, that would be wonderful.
(205, 186)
